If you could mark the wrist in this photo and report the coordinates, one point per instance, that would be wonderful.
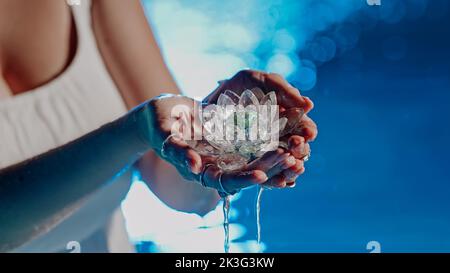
(141, 119)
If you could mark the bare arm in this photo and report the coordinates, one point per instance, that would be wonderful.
(134, 60)
(39, 193)
(130, 51)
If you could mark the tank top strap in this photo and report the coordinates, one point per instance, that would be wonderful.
(81, 12)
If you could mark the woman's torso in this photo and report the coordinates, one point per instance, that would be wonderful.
(54, 88)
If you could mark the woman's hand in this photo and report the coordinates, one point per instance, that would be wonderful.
(166, 114)
(287, 97)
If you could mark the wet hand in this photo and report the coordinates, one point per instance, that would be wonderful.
(169, 113)
(288, 97)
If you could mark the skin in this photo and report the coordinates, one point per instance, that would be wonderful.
(40, 192)
(190, 164)
(37, 43)
(287, 97)
(131, 65)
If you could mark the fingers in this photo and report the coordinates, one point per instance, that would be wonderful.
(232, 182)
(291, 184)
(287, 177)
(294, 172)
(280, 175)
(268, 160)
(273, 162)
(296, 146)
(306, 132)
(277, 181)
(286, 163)
(176, 151)
(241, 180)
(287, 95)
(308, 129)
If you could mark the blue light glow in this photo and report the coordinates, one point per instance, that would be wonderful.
(205, 41)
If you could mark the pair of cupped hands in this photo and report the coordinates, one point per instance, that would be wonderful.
(278, 169)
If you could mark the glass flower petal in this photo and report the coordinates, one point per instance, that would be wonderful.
(233, 96)
(248, 98)
(224, 100)
(258, 93)
(269, 97)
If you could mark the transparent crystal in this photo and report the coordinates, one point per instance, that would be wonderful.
(241, 128)
(258, 93)
(248, 98)
(233, 96)
(270, 98)
(225, 100)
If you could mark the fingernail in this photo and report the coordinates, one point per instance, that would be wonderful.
(310, 101)
(290, 160)
(193, 166)
(290, 175)
(301, 148)
(262, 176)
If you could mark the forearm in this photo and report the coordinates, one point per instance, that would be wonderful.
(37, 194)
(172, 189)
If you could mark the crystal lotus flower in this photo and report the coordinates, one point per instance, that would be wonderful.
(241, 128)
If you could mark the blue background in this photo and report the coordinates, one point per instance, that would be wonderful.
(379, 77)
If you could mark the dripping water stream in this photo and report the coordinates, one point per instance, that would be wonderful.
(226, 218)
(258, 213)
(226, 222)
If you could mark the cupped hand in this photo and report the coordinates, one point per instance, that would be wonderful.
(288, 97)
(167, 116)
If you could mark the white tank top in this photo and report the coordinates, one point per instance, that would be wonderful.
(79, 100)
